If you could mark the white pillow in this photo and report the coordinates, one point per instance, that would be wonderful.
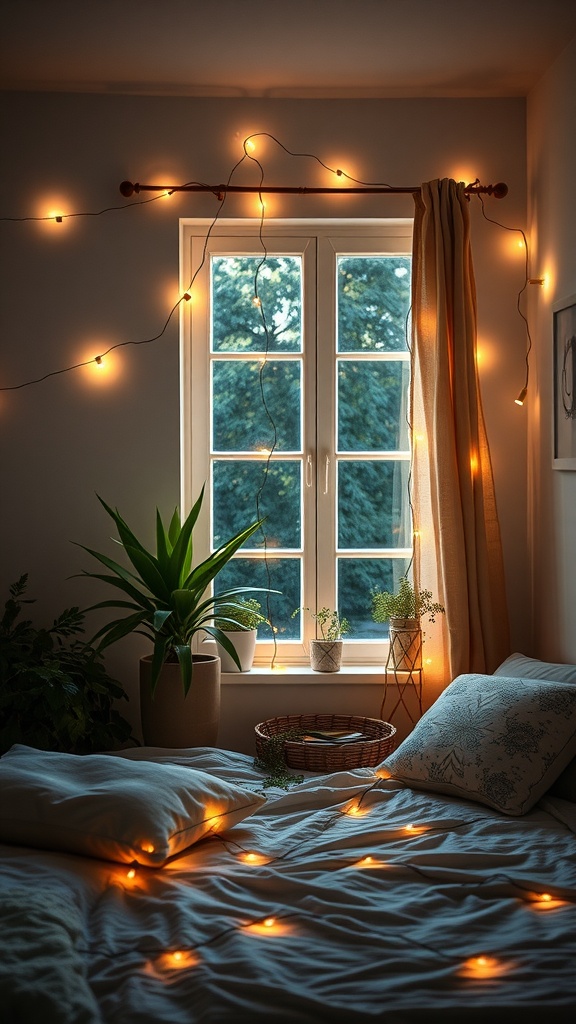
(518, 666)
(113, 808)
(489, 740)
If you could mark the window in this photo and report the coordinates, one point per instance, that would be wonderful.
(294, 390)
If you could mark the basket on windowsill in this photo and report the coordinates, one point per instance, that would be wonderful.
(378, 741)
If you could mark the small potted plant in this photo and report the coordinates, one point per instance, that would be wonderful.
(326, 650)
(403, 610)
(239, 621)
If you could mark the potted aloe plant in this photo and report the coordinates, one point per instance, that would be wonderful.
(165, 598)
(239, 622)
(326, 650)
(403, 609)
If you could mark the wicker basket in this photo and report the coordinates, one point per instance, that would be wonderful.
(329, 757)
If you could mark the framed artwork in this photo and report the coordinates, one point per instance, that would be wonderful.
(564, 323)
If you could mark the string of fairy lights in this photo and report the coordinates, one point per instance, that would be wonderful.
(247, 146)
(281, 923)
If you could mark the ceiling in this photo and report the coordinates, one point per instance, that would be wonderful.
(282, 48)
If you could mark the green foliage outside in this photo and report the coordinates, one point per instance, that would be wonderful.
(257, 407)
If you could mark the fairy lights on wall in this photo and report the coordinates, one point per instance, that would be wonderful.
(58, 217)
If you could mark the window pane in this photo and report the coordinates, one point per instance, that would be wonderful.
(357, 578)
(241, 421)
(373, 302)
(235, 486)
(373, 505)
(238, 325)
(372, 405)
(282, 574)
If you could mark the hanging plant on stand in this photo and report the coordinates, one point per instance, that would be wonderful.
(403, 610)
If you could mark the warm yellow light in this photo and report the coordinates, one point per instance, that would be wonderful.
(255, 859)
(545, 901)
(269, 926)
(52, 212)
(131, 873)
(383, 773)
(521, 397)
(257, 301)
(355, 810)
(474, 463)
(101, 367)
(480, 967)
(176, 960)
(415, 830)
(464, 173)
(147, 847)
(250, 144)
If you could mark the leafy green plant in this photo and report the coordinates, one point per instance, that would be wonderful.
(164, 594)
(273, 761)
(405, 603)
(332, 627)
(55, 693)
(241, 614)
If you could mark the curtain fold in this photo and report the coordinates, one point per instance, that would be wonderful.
(457, 546)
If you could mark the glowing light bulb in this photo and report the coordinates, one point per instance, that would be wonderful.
(256, 301)
(186, 296)
(147, 848)
(521, 397)
(269, 922)
(131, 873)
(478, 967)
(255, 859)
(249, 144)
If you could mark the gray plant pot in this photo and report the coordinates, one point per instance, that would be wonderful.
(169, 719)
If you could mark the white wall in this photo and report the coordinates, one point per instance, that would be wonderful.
(552, 175)
(71, 290)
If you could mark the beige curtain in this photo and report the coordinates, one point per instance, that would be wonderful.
(458, 552)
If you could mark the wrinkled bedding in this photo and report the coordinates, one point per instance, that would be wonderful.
(460, 913)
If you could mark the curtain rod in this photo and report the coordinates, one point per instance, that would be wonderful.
(127, 188)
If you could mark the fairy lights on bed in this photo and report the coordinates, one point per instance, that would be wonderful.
(484, 967)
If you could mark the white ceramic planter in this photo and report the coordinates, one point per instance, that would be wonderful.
(170, 719)
(244, 641)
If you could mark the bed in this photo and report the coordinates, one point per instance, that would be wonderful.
(171, 887)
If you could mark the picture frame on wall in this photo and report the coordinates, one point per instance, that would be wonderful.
(564, 405)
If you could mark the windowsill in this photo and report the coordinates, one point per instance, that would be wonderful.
(354, 675)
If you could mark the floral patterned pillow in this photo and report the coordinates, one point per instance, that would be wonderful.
(490, 740)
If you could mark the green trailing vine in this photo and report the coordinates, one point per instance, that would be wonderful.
(273, 762)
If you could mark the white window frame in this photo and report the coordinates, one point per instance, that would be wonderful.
(289, 237)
